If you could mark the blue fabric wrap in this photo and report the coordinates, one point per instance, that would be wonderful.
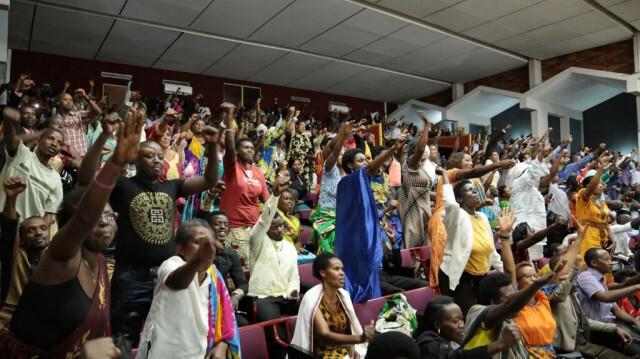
(357, 240)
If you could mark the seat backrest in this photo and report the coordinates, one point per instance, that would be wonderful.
(369, 310)
(305, 237)
(407, 259)
(426, 252)
(253, 343)
(419, 298)
(292, 325)
(305, 271)
(304, 213)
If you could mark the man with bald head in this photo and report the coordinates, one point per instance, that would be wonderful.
(146, 230)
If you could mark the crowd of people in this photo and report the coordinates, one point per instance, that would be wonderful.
(165, 225)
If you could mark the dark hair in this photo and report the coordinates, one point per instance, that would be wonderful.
(376, 151)
(501, 189)
(551, 249)
(520, 232)
(433, 312)
(455, 160)
(322, 262)
(392, 345)
(47, 131)
(348, 157)
(182, 234)
(586, 181)
(215, 213)
(69, 204)
(572, 182)
(623, 274)
(592, 255)
(489, 287)
(325, 141)
(240, 141)
(522, 156)
(458, 187)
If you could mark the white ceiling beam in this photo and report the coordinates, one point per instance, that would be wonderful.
(608, 13)
(223, 37)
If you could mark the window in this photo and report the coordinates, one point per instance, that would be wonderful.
(244, 96)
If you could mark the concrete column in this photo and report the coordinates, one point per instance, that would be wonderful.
(636, 51)
(539, 122)
(457, 91)
(565, 127)
(4, 40)
(535, 73)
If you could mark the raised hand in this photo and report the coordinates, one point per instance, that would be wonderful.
(81, 92)
(11, 115)
(506, 222)
(210, 134)
(348, 128)
(281, 184)
(91, 83)
(67, 84)
(13, 186)
(170, 116)
(504, 164)
(400, 141)
(111, 123)
(206, 254)
(126, 150)
(26, 85)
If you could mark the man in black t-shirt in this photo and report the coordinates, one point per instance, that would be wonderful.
(146, 232)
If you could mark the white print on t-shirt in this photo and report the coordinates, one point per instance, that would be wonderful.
(249, 180)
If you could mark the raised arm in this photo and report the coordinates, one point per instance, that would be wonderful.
(11, 117)
(482, 170)
(374, 166)
(515, 302)
(260, 229)
(414, 161)
(543, 186)
(539, 235)
(202, 183)
(229, 137)
(504, 234)
(593, 184)
(182, 277)
(337, 144)
(91, 160)
(71, 236)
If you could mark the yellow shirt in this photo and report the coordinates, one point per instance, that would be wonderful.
(478, 263)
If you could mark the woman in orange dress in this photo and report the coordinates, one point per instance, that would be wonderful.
(460, 166)
(593, 211)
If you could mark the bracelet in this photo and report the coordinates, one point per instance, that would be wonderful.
(504, 237)
(102, 185)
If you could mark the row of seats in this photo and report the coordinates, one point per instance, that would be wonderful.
(253, 343)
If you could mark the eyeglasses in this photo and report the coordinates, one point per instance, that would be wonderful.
(109, 216)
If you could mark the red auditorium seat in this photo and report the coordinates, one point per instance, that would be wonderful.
(419, 298)
(305, 237)
(305, 271)
(252, 342)
(423, 255)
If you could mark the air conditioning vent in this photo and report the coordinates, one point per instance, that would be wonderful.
(172, 87)
(300, 99)
(339, 106)
(113, 75)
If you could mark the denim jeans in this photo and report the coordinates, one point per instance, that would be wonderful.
(131, 297)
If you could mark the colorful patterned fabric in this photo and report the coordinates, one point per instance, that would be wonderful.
(239, 240)
(324, 234)
(222, 321)
(337, 322)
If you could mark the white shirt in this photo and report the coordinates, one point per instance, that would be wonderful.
(619, 232)
(274, 264)
(526, 200)
(559, 202)
(178, 321)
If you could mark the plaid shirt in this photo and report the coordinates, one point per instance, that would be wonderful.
(76, 130)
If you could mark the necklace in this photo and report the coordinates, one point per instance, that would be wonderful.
(93, 276)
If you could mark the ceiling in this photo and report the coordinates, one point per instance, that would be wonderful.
(386, 50)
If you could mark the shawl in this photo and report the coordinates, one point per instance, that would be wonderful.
(220, 308)
(303, 333)
(357, 241)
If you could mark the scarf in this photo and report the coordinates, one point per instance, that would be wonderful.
(222, 322)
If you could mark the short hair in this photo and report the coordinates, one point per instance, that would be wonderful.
(592, 255)
(489, 287)
(572, 182)
(458, 187)
(392, 345)
(623, 274)
(501, 190)
(455, 161)
(28, 105)
(522, 265)
(348, 157)
(21, 226)
(520, 232)
(433, 312)
(47, 131)
(208, 215)
(550, 249)
(321, 262)
(241, 141)
(182, 234)
(325, 141)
